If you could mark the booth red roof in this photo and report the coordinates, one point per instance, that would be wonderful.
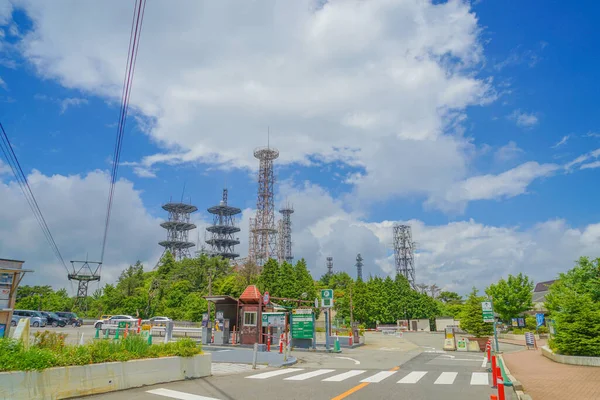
(251, 294)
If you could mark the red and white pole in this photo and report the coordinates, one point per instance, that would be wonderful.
(139, 325)
(281, 344)
(494, 372)
(489, 351)
(501, 395)
(350, 338)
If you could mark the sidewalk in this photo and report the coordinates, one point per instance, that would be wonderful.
(544, 379)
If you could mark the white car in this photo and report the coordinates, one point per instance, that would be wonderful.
(114, 320)
(157, 321)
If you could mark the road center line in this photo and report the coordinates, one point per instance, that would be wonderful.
(356, 388)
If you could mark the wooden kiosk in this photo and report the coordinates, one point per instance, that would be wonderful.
(11, 274)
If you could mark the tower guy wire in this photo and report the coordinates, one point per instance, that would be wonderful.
(264, 233)
(13, 162)
(404, 253)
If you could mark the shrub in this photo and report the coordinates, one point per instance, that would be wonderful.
(471, 317)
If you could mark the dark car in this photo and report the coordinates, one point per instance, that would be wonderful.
(71, 318)
(54, 319)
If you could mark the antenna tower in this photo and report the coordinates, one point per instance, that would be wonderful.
(84, 273)
(329, 266)
(264, 233)
(284, 234)
(221, 240)
(404, 252)
(178, 227)
(359, 265)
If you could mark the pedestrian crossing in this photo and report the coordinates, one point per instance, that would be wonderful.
(364, 376)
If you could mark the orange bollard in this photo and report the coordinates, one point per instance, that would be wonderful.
(268, 342)
(494, 372)
(139, 325)
(350, 338)
(493, 397)
(281, 344)
(501, 389)
(489, 351)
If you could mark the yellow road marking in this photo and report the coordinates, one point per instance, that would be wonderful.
(356, 388)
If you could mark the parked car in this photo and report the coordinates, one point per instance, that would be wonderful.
(36, 318)
(105, 316)
(54, 319)
(157, 321)
(15, 320)
(71, 317)
(114, 320)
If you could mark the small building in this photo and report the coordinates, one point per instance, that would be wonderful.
(11, 274)
(441, 323)
(539, 296)
(415, 325)
(251, 314)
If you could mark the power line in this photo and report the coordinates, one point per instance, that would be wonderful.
(134, 38)
(15, 166)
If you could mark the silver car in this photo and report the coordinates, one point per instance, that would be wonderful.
(36, 318)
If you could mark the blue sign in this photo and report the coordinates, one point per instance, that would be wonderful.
(539, 319)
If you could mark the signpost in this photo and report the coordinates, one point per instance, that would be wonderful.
(327, 298)
(487, 309)
(302, 323)
(273, 319)
(266, 298)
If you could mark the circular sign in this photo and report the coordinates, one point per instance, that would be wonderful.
(326, 293)
(266, 298)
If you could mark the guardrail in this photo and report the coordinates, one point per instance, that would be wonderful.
(179, 331)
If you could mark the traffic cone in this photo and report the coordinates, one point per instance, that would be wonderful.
(336, 347)
(97, 336)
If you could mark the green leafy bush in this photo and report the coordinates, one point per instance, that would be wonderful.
(471, 317)
(49, 351)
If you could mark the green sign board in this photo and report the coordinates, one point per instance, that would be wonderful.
(487, 311)
(273, 319)
(327, 293)
(302, 324)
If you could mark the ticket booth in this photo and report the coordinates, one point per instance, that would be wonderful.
(225, 326)
(11, 274)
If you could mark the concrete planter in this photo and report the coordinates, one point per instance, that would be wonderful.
(67, 382)
(574, 360)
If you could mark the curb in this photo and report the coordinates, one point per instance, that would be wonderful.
(290, 361)
(516, 385)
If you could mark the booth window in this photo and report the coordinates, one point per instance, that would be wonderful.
(250, 318)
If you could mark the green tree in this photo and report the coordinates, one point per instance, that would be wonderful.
(511, 297)
(574, 305)
(131, 279)
(471, 317)
(304, 280)
(447, 297)
(269, 277)
(286, 282)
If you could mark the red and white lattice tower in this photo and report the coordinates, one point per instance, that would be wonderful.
(264, 232)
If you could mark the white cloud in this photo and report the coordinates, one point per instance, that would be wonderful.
(2, 83)
(144, 172)
(4, 168)
(562, 141)
(508, 152)
(74, 208)
(523, 119)
(71, 102)
(595, 164)
(582, 159)
(486, 187)
(397, 80)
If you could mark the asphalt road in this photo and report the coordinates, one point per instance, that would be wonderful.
(412, 367)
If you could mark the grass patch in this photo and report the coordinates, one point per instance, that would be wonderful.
(49, 350)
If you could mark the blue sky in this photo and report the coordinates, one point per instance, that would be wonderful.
(458, 118)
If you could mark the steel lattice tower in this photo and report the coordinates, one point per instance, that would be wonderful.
(178, 227)
(84, 273)
(404, 253)
(329, 266)
(222, 240)
(359, 265)
(284, 234)
(264, 231)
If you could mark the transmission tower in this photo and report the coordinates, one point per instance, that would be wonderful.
(178, 227)
(84, 273)
(359, 265)
(264, 231)
(404, 253)
(329, 266)
(284, 234)
(221, 240)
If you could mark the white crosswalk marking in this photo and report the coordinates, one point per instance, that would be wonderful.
(174, 394)
(446, 378)
(378, 377)
(271, 374)
(413, 377)
(308, 375)
(344, 376)
(479, 378)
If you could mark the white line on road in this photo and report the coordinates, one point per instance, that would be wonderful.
(356, 362)
(446, 378)
(344, 376)
(220, 351)
(413, 377)
(308, 375)
(484, 362)
(378, 377)
(178, 395)
(479, 378)
(271, 374)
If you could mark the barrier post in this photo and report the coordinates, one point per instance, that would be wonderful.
(501, 389)
(254, 355)
(97, 333)
(493, 397)
(489, 350)
(268, 342)
(494, 372)
(281, 344)
(139, 325)
(350, 338)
